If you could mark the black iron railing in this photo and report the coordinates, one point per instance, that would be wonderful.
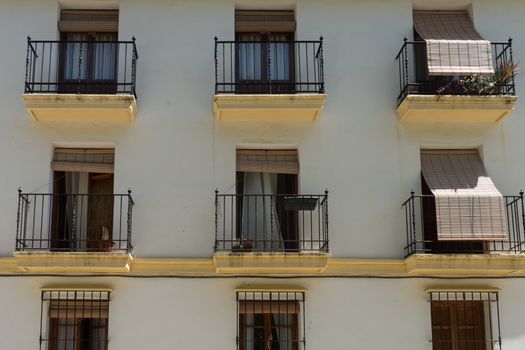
(269, 67)
(415, 80)
(81, 67)
(74, 222)
(271, 223)
(420, 224)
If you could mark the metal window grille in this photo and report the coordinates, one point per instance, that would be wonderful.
(74, 319)
(465, 320)
(270, 320)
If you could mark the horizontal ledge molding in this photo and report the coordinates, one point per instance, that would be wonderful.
(126, 265)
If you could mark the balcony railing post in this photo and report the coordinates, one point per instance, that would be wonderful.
(512, 62)
(80, 66)
(134, 67)
(326, 219)
(129, 220)
(18, 224)
(321, 62)
(269, 74)
(26, 87)
(216, 217)
(522, 217)
(73, 220)
(405, 54)
(216, 73)
(413, 215)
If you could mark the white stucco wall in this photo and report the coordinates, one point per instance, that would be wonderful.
(183, 313)
(175, 154)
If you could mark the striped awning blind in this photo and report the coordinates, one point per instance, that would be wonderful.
(86, 160)
(468, 204)
(268, 161)
(264, 21)
(88, 21)
(454, 47)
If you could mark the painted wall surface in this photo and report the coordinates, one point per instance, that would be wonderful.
(201, 313)
(174, 155)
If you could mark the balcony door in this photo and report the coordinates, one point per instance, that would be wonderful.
(82, 200)
(88, 62)
(265, 63)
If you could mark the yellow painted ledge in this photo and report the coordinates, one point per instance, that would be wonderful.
(81, 107)
(265, 265)
(278, 107)
(270, 263)
(64, 262)
(452, 108)
(466, 265)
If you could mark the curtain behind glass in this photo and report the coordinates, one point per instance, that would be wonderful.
(250, 59)
(72, 53)
(104, 57)
(260, 222)
(66, 334)
(279, 57)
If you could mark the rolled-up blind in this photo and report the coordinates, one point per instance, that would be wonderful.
(468, 204)
(86, 160)
(267, 307)
(88, 21)
(453, 45)
(268, 161)
(264, 21)
(78, 309)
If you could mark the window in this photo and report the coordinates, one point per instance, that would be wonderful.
(88, 58)
(270, 320)
(462, 208)
(264, 177)
(465, 320)
(265, 51)
(74, 320)
(83, 200)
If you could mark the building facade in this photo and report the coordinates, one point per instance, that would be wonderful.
(262, 174)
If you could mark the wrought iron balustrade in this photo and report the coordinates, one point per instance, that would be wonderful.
(271, 223)
(421, 229)
(269, 67)
(415, 80)
(74, 222)
(81, 67)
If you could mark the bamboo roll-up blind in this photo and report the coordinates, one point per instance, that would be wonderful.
(468, 204)
(264, 21)
(88, 21)
(454, 47)
(268, 161)
(90, 160)
(269, 307)
(78, 309)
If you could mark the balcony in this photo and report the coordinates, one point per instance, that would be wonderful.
(57, 232)
(81, 80)
(426, 253)
(271, 233)
(269, 80)
(446, 98)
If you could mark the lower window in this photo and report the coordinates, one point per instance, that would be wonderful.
(465, 320)
(270, 320)
(74, 320)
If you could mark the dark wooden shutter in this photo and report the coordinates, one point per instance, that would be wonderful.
(264, 21)
(88, 21)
